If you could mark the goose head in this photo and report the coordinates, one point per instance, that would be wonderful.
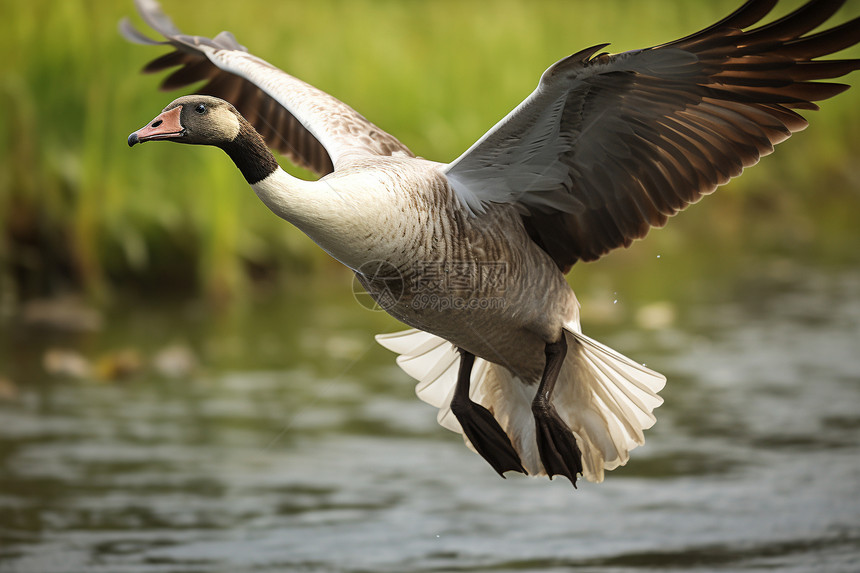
(195, 119)
(207, 120)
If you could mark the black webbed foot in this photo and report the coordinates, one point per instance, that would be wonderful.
(479, 425)
(487, 436)
(556, 443)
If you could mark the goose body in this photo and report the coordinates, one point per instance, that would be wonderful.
(472, 254)
(428, 231)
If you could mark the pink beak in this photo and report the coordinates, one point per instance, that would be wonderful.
(165, 126)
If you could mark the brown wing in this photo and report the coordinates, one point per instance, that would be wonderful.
(277, 123)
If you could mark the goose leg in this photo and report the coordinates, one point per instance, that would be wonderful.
(479, 425)
(556, 443)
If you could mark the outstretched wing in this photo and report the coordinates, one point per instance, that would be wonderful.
(312, 128)
(608, 146)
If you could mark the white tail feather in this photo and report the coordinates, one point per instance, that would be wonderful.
(605, 398)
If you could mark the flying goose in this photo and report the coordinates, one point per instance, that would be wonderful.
(472, 254)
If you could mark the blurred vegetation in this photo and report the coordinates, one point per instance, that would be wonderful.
(80, 211)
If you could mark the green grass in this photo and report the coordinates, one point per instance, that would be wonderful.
(78, 208)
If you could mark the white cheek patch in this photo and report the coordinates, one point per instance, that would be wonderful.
(229, 123)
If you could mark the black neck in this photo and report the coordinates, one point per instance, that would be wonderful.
(250, 154)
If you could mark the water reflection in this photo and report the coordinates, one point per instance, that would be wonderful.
(333, 465)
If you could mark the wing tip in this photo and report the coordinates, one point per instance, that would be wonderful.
(133, 35)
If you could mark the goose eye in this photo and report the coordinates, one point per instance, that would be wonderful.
(201, 108)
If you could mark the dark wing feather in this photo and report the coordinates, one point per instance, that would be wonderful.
(643, 134)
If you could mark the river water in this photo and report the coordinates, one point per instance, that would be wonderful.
(296, 444)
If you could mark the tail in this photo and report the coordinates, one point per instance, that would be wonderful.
(605, 398)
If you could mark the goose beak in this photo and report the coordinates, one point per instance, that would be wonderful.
(165, 126)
